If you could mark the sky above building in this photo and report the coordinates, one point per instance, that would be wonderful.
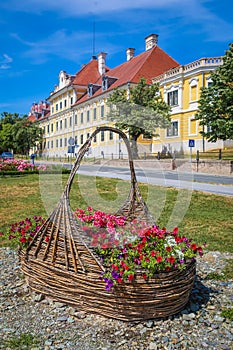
(39, 38)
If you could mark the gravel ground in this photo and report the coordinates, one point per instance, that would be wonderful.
(54, 325)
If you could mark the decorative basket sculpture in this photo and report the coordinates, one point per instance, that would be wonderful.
(57, 268)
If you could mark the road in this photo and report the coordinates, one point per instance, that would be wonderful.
(221, 185)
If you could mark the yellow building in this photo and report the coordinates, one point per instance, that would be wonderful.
(181, 88)
(78, 103)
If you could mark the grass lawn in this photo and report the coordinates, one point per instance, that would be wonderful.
(205, 217)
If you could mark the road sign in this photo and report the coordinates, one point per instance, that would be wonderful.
(71, 141)
(191, 143)
(70, 149)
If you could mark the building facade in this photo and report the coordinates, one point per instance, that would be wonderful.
(181, 89)
(78, 103)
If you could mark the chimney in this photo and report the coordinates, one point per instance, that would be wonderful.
(101, 62)
(130, 53)
(151, 41)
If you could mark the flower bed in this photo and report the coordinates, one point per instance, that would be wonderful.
(22, 167)
(19, 166)
(128, 250)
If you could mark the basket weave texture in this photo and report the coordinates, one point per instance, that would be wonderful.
(67, 269)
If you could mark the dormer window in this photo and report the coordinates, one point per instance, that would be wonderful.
(90, 90)
(104, 83)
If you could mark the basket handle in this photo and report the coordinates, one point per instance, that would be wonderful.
(85, 148)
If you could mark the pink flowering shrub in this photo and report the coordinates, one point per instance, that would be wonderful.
(19, 165)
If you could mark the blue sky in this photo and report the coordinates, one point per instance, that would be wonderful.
(41, 37)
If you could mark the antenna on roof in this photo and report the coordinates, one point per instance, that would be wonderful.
(94, 39)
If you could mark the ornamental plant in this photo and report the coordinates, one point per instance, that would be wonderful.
(135, 248)
(19, 165)
(22, 232)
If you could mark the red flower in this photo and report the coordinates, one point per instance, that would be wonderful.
(171, 260)
(47, 239)
(130, 277)
(119, 280)
(168, 249)
(144, 276)
(152, 253)
(167, 268)
(193, 246)
(159, 259)
(175, 231)
(23, 240)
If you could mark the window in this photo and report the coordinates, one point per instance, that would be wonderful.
(172, 98)
(60, 105)
(94, 139)
(90, 90)
(193, 127)
(110, 135)
(70, 121)
(76, 140)
(60, 124)
(104, 83)
(52, 110)
(193, 93)
(94, 114)
(57, 143)
(48, 144)
(81, 118)
(51, 127)
(65, 123)
(81, 139)
(71, 100)
(102, 111)
(60, 142)
(102, 135)
(52, 144)
(57, 107)
(48, 128)
(65, 140)
(65, 103)
(173, 130)
(88, 116)
(75, 119)
(44, 129)
(57, 126)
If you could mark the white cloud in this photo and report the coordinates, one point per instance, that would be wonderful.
(4, 61)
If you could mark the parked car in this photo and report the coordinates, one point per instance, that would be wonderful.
(7, 155)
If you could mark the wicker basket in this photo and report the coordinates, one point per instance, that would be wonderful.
(67, 269)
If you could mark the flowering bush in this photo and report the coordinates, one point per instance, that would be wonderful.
(19, 165)
(22, 232)
(127, 249)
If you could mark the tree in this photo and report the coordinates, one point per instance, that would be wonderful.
(26, 135)
(139, 111)
(216, 102)
(18, 133)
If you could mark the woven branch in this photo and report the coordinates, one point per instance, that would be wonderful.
(60, 263)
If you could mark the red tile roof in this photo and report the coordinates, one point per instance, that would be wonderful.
(148, 64)
(89, 73)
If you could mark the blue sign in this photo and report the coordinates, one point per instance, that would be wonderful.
(191, 143)
(70, 149)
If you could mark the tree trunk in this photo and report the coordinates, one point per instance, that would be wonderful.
(134, 147)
